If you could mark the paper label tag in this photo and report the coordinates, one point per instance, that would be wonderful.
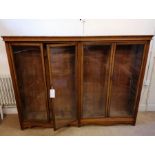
(52, 93)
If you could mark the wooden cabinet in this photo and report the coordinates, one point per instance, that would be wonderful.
(66, 81)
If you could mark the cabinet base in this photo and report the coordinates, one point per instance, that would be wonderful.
(26, 125)
(107, 121)
(86, 121)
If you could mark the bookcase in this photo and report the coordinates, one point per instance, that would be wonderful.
(75, 81)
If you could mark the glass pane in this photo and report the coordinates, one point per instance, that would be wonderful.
(28, 64)
(62, 61)
(95, 72)
(127, 64)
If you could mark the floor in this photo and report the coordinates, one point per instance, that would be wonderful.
(145, 126)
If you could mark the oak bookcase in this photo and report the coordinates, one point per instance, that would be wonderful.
(97, 79)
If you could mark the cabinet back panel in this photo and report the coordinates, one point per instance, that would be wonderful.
(95, 72)
(29, 72)
(127, 62)
(63, 74)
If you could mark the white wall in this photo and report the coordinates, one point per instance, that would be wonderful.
(150, 99)
(74, 27)
(35, 28)
(119, 27)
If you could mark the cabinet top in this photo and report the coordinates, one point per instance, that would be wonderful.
(77, 38)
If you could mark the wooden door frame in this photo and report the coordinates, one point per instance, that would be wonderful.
(102, 43)
(141, 79)
(49, 46)
(16, 86)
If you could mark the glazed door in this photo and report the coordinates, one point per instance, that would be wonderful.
(62, 65)
(126, 69)
(96, 62)
(30, 77)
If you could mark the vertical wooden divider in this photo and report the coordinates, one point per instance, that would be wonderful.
(47, 75)
(110, 75)
(80, 80)
(43, 55)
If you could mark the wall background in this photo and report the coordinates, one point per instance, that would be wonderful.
(74, 27)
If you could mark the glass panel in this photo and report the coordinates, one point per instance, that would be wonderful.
(95, 72)
(62, 61)
(127, 64)
(29, 71)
